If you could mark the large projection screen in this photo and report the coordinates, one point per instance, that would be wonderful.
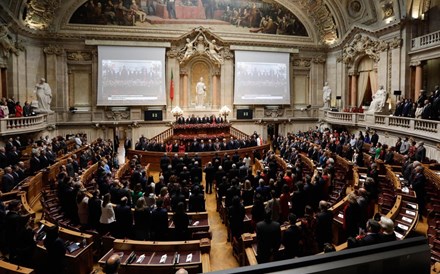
(261, 78)
(130, 76)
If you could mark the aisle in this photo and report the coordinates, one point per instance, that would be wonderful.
(221, 250)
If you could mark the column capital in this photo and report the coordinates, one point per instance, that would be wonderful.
(415, 63)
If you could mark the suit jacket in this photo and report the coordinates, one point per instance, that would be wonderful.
(324, 225)
(8, 182)
(268, 240)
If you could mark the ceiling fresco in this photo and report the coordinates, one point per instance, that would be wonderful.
(231, 15)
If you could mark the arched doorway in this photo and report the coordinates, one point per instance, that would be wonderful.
(367, 81)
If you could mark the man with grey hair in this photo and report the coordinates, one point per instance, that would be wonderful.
(387, 225)
(112, 264)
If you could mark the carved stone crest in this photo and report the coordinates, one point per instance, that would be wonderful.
(79, 56)
(53, 49)
(301, 63)
(273, 112)
(201, 45)
(7, 45)
(117, 115)
(361, 45)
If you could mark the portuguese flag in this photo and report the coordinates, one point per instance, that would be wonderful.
(172, 87)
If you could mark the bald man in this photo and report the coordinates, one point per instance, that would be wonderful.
(112, 264)
(182, 271)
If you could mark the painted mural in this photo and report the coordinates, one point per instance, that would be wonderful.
(236, 15)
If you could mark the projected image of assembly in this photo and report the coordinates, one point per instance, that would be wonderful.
(131, 80)
(258, 82)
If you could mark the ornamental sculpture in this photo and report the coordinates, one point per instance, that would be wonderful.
(361, 45)
(200, 45)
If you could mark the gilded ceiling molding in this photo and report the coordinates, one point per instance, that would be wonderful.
(323, 19)
(41, 13)
(53, 50)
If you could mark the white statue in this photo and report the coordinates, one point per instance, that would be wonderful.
(44, 96)
(326, 95)
(212, 51)
(200, 92)
(379, 100)
(188, 49)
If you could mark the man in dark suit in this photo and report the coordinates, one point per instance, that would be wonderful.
(34, 164)
(127, 144)
(124, 219)
(324, 225)
(4, 161)
(291, 238)
(420, 152)
(164, 162)
(373, 234)
(159, 222)
(196, 201)
(196, 173)
(426, 112)
(209, 177)
(8, 180)
(13, 156)
(268, 238)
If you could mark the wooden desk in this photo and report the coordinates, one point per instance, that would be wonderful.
(153, 252)
(199, 221)
(79, 261)
(153, 157)
(8, 268)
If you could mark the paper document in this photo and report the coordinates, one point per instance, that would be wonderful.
(163, 259)
(189, 258)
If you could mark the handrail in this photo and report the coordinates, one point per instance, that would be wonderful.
(164, 136)
(16, 124)
(237, 133)
(419, 127)
(426, 41)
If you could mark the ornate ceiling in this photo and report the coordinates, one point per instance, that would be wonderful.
(323, 21)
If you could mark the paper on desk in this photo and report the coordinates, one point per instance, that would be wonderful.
(163, 259)
(196, 223)
(141, 259)
(189, 258)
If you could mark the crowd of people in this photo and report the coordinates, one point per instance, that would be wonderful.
(10, 108)
(425, 107)
(197, 145)
(17, 231)
(137, 207)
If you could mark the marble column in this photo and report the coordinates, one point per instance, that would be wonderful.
(418, 80)
(185, 90)
(353, 89)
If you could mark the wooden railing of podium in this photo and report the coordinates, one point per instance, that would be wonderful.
(200, 132)
(154, 251)
(153, 157)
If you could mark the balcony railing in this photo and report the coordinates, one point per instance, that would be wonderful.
(10, 126)
(426, 41)
(423, 128)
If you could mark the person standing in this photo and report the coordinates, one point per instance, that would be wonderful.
(268, 238)
(171, 8)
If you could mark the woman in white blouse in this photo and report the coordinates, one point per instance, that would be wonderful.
(107, 215)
